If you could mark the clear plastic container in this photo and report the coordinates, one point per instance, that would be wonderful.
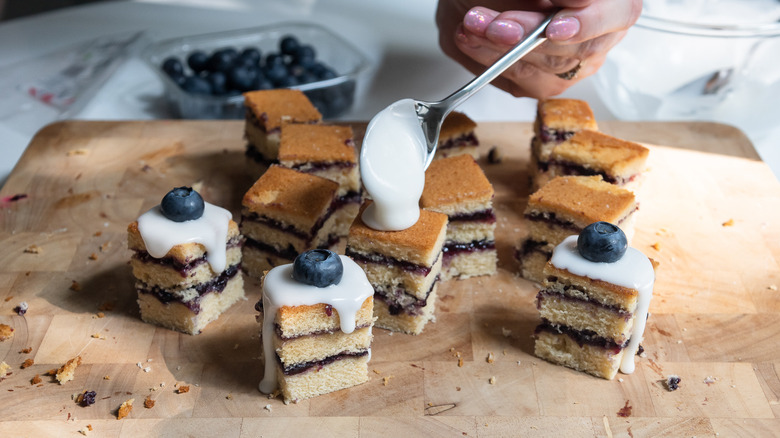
(332, 97)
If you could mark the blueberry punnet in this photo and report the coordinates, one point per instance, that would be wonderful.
(602, 242)
(318, 267)
(182, 204)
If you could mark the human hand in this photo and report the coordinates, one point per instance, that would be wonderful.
(578, 38)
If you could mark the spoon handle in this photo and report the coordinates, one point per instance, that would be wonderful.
(534, 39)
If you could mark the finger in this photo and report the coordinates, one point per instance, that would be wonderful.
(594, 20)
(477, 20)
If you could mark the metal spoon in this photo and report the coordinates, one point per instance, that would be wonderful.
(432, 114)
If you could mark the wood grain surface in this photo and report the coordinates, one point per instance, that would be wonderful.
(709, 213)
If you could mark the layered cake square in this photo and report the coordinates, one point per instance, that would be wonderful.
(458, 187)
(403, 267)
(618, 161)
(556, 121)
(186, 273)
(316, 338)
(457, 136)
(266, 111)
(287, 212)
(564, 207)
(593, 313)
(327, 151)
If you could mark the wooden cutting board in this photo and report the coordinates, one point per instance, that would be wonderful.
(709, 213)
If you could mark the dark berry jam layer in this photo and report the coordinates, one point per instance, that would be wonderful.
(548, 134)
(584, 337)
(298, 368)
(486, 216)
(380, 259)
(289, 253)
(530, 246)
(451, 249)
(318, 166)
(552, 295)
(183, 268)
(217, 285)
(569, 168)
(281, 335)
(399, 301)
(468, 139)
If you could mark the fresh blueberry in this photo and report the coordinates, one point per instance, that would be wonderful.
(275, 72)
(222, 59)
(242, 77)
(318, 267)
(602, 242)
(328, 73)
(288, 45)
(287, 81)
(305, 56)
(196, 85)
(172, 66)
(272, 59)
(262, 83)
(306, 77)
(218, 82)
(182, 204)
(250, 55)
(198, 61)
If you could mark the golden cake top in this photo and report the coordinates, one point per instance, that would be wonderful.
(290, 197)
(455, 125)
(271, 107)
(582, 200)
(316, 143)
(602, 152)
(456, 184)
(183, 252)
(419, 244)
(566, 114)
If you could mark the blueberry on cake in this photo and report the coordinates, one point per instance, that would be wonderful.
(618, 161)
(403, 267)
(457, 136)
(564, 207)
(317, 320)
(266, 110)
(458, 187)
(594, 302)
(556, 121)
(186, 261)
(287, 212)
(327, 151)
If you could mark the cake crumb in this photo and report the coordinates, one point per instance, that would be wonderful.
(728, 223)
(84, 431)
(183, 389)
(100, 315)
(104, 247)
(148, 402)
(620, 379)
(79, 151)
(377, 372)
(506, 332)
(75, 286)
(106, 377)
(656, 246)
(229, 396)
(33, 249)
(495, 156)
(772, 287)
(98, 336)
(93, 256)
(709, 380)
(27, 350)
(267, 408)
(67, 372)
(36, 380)
(4, 368)
(386, 380)
(490, 358)
(492, 380)
(8, 298)
(6, 332)
(107, 306)
(672, 382)
(21, 308)
(27, 363)
(460, 362)
(147, 369)
(125, 409)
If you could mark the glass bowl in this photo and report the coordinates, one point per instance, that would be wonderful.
(332, 97)
(697, 60)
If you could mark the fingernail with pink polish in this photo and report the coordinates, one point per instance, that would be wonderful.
(504, 32)
(563, 28)
(477, 20)
(464, 38)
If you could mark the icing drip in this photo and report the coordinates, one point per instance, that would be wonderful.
(160, 234)
(633, 271)
(281, 290)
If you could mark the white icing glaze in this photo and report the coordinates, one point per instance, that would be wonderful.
(634, 270)
(160, 234)
(392, 167)
(280, 290)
